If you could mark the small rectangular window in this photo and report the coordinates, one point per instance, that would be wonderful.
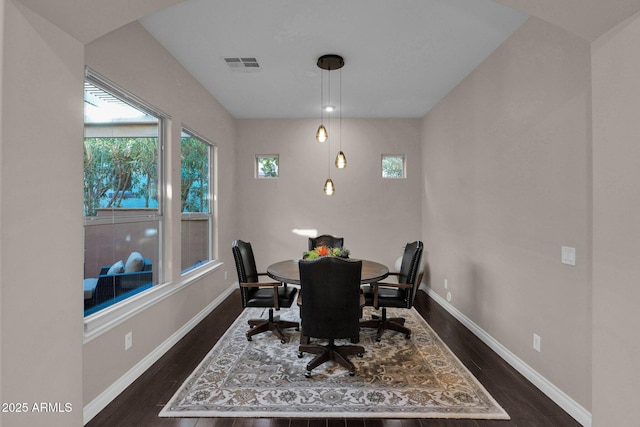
(267, 166)
(393, 166)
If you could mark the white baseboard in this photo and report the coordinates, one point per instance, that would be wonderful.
(99, 403)
(569, 405)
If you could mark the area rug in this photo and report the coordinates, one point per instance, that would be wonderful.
(396, 378)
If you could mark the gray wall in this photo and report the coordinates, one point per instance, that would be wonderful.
(40, 218)
(616, 229)
(133, 59)
(376, 216)
(507, 170)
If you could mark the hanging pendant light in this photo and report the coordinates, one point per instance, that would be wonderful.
(329, 189)
(329, 63)
(321, 134)
(341, 159)
(326, 62)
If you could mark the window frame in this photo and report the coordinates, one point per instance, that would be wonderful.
(257, 165)
(104, 320)
(95, 321)
(211, 215)
(163, 120)
(404, 166)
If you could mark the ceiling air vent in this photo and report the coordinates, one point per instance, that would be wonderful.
(242, 65)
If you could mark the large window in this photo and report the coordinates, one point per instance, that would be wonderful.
(196, 199)
(122, 195)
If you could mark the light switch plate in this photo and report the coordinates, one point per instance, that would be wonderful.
(569, 255)
(128, 340)
(536, 342)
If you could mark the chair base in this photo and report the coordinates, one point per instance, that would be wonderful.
(331, 352)
(383, 323)
(276, 326)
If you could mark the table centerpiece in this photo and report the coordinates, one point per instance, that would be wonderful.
(322, 251)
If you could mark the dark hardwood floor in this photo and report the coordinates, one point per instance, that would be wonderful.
(140, 403)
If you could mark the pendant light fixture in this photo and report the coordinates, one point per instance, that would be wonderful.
(341, 159)
(330, 62)
(321, 134)
(329, 188)
(326, 62)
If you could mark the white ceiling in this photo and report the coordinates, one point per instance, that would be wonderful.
(401, 57)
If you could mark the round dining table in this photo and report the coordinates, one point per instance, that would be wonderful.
(288, 272)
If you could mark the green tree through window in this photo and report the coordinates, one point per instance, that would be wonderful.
(194, 186)
(267, 166)
(196, 200)
(392, 166)
(120, 172)
(122, 194)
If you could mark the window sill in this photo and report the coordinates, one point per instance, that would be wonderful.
(98, 323)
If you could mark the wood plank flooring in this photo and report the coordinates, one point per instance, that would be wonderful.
(140, 403)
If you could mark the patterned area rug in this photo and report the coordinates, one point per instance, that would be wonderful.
(395, 378)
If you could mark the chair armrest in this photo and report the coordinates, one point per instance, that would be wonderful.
(275, 285)
(393, 285)
(284, 284)
(259, 284)
(376, 285)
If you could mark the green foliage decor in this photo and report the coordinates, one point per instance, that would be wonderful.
(321, 251)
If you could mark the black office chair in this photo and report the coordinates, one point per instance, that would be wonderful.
(399, 294)
(330, 294)
(261, 294)
(326, 240)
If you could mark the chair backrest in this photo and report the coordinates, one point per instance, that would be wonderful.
(330, 290)
(245, 267)
(326, 240)
(410, 269)
(245, 262)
